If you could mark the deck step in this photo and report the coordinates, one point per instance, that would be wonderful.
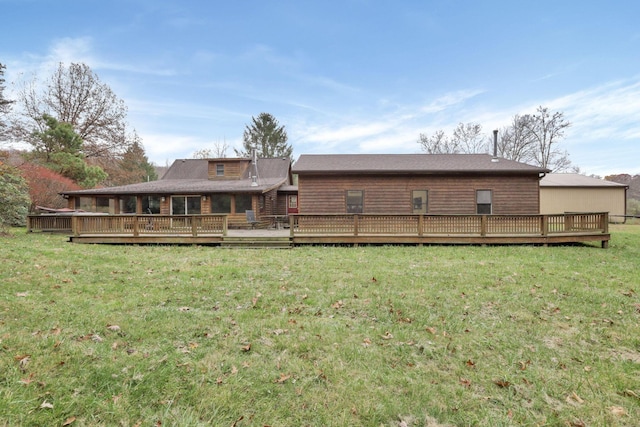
(256, 242)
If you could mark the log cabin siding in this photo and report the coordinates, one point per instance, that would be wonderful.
(233, 168)
(447, 194)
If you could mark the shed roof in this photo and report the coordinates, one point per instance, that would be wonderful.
(190, 176)
(409, 163)
(576, 180)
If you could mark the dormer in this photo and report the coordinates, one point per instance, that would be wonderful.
(228, 169)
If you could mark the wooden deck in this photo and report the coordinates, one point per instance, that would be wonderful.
(341, 229)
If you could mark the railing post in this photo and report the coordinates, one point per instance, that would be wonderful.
(355, 225)
(136, 230)
(291, 221)
(224, 225)
(605, 220)
(483, 225)
(194, 226)
(545, 225)
(74, 225)
(421, 225)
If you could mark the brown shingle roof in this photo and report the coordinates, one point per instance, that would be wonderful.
(408, 163)
(190, 176)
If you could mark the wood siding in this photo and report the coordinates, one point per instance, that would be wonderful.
(512, 194)
(233, 168)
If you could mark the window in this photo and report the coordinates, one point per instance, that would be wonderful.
(293, 202)
(102, 204)
(85, 204)
(355, 201)
(419, 200)
(220, 169)
(483, 202)
(151, 205)
(243, 203)
(128, 204)
(185, 205)
(221, 203)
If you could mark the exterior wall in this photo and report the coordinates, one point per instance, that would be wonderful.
(572, 199)
(512, 194)
(233, 168)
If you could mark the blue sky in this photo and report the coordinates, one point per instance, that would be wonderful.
(349, 76)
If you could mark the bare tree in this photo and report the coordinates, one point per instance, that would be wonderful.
(219, 151)
(515, 142)
(466, 138)
(469, 138)
(531, 138)
(546, 130)
(75, 95)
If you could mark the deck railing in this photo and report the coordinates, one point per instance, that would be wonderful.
(470, 225)
(149, 225)
(360, 227)
(49, 223)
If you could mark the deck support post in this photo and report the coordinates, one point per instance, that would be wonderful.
(355, 225)
(420, 225)
(483, 225)
(194, 226)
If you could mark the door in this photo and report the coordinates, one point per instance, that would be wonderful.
(292, 204)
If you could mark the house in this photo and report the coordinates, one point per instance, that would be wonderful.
(200, 186)
(416, 184)
(570, 192)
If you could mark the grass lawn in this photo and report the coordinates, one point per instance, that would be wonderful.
(319, 336)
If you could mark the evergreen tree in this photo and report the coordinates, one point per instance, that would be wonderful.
(14, 197)
(267, 137)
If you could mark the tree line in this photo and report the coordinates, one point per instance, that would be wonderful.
(529, 138)
(77, 131)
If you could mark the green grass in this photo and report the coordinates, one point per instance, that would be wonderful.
(319, 336)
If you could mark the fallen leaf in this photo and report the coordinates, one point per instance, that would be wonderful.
(184, 309)
(465, 382)
(366, 342)
(470, 363)
(69, 421)
(631, 393)
(387, 336)
(113, 328)
(22, 294)
(234, 370)
(618, 411)
(574, 398)
(337, 304)
(23, 361)
(431, 330)
(28, 380)
(502, 383)
(246, 348)
(46, 405)
(283, 378)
